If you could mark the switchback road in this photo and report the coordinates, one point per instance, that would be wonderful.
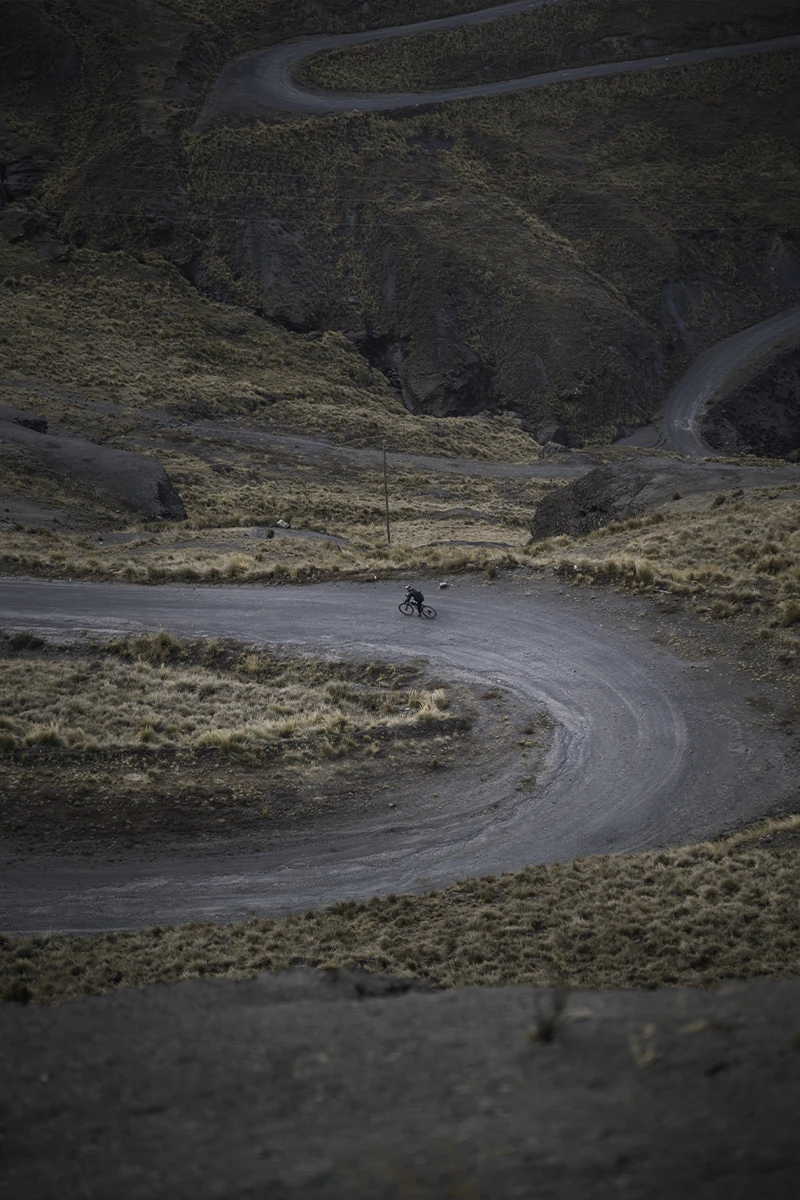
(648, 749)
(266, 81)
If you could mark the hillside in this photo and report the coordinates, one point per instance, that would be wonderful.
(558, 254)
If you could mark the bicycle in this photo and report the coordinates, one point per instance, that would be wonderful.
(408, 608)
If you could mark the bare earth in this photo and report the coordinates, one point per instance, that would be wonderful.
(320, 1087)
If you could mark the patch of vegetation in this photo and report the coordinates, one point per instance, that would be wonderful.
(157, 559)
(153, 739)
(112, 338)
(157, 692)
(692, 916)
(733, 554)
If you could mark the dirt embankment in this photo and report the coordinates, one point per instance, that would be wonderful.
(612, 1093)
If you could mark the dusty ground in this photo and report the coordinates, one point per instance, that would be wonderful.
(352, 1087)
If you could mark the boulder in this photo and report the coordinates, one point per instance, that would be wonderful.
(17, 223)
(51, 249)
(136, 480)
(556, 431)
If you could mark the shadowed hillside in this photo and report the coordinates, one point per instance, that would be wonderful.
(559, 254)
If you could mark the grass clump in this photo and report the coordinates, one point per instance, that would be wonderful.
(158, 692)
(741, 557)
(691, 916)
(158, 743)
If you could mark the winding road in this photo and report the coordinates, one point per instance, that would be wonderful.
(648, 749)
(266, 81)
(727, 365)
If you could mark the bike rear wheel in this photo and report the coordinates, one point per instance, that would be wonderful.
(427, 611)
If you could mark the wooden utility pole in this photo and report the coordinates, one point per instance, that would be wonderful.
(386, 495)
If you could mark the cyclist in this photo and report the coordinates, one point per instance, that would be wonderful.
(413, 596)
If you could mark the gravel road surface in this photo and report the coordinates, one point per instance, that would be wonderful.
(648, 750)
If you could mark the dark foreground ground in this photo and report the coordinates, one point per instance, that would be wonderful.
(327, 1086)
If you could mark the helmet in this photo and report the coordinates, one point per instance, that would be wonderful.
(408, 587)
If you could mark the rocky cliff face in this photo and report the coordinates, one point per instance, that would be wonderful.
(763, 416)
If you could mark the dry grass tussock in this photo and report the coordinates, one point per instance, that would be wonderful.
(736, 553)
(696, 915)
(231, 492)
(157, 692)
(574, 32)
(292, 561)
(229, 484)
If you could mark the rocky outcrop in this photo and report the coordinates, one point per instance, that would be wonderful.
(763, 416)
(641, 485)
(135, 480)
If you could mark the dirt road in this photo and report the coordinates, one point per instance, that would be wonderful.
(265, 81)
(648, 750)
